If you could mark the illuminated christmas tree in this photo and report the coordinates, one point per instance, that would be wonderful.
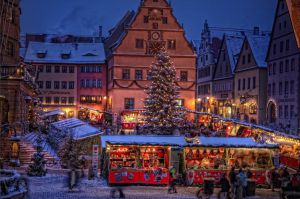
(162, 113)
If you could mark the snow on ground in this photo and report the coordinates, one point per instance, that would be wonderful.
(97, 182)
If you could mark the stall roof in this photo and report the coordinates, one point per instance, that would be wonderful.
(180, 141)
(231, 142)
(85, 131)
(53, 112)
(79, 129)
(143, 140)
(68, 123)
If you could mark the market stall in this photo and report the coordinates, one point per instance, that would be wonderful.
(290, 156)
(138, 159)
(130, 119)
(210, 157)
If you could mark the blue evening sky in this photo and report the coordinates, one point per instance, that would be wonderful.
(84, 16)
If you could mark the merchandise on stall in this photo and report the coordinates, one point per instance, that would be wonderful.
(213, 157)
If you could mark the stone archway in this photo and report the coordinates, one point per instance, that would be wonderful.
(271, 112)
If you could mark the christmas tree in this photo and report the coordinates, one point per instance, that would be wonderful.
(162, 112)
(37, 166)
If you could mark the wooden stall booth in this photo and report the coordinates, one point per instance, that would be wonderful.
(210, 157)
(138, 159)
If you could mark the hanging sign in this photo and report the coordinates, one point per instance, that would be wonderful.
(95, 159)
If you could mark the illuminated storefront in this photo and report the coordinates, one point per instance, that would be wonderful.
(130, 119)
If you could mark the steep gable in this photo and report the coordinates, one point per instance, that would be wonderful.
(228, 56)
(155, 26)
(155, 3)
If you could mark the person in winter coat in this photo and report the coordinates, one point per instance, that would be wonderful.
(225, 186)
(243, 181)
(172, 183)
(232, 178)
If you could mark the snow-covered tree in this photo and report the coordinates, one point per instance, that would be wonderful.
(37, 166)
(162, 113)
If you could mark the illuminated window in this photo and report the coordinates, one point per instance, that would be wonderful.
(180, 102)
(171, 44)
(253, 108)
(64, 100)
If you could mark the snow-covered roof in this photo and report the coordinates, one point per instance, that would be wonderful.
(234, 45)
(259, 45)
(143, 140)
(79, 52)
(181, 142)
(85, 131)
(78, 128)
(231, 142)
(53, 112)
(68, 123)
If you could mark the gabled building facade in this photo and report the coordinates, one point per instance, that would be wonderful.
(283, 106)
(206, 63)
(131, 47)
(251, 79)
(222, 102)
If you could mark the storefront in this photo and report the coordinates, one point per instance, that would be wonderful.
(214, 156)
(138, 159)
(130, 119)
(290, 156)
(94, 117)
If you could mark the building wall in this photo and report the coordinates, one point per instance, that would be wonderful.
(250, 87)
(127, 56)
(283, 68)
(98, 90)
(9, 32)
(71, 94)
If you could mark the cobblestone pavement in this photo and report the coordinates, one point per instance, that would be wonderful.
(55, 187)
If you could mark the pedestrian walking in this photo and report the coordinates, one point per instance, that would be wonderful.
(72, 181)
(172, 181)
(232, 178)
(118, 188)
(242, 181)
(225, 186)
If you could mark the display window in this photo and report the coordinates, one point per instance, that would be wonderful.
(138, 164)
(202, 162)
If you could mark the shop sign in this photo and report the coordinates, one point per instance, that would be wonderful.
(95, 159)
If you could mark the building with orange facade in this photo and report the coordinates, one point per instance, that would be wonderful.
(130, 49)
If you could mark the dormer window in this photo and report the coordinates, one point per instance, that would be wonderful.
(65, 55)
(41, 54)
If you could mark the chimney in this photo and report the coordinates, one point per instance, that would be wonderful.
(256, 30)
(100, 31)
